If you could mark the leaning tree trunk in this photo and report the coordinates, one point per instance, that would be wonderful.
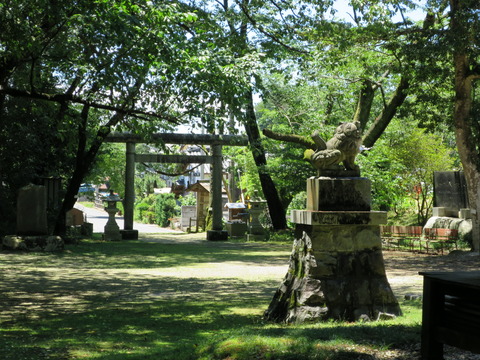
(389, 111)
(84, 161)
(275, 207)
(464, 118)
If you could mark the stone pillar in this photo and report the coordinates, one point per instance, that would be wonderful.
(336, 268)
(128, 232)
(217, 232)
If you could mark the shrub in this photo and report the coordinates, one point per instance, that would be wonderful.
(165, 209)
(145, 209)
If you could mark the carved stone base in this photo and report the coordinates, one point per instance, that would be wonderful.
(335, 272)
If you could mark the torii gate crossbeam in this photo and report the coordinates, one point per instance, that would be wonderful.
(215, 141)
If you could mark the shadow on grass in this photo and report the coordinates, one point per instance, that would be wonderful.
(180, 329)
(134, 254)
(106, 301)
(120, 319)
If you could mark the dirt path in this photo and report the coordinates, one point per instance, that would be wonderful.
(402, 267)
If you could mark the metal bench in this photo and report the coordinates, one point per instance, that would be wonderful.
(395, 237)
(437, 239)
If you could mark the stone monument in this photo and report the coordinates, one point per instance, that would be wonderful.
(32, 210)
(32, 228)
(336, 267)
(450, 204)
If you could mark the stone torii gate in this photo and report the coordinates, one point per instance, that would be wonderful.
(215, 141)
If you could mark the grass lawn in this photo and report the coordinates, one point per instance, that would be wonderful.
(172, 300)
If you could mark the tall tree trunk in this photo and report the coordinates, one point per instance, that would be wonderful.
(277, 212)
(465, 138)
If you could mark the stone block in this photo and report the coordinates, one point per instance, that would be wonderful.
(53, 243)
(438, 211)
(376, 263)
(324, 268)
(343, 239)
(465, 214)
(87, 229)
(444, 211)
(217, 235)
(13, 242)
(338, 194)
(129, 234)
(236, 228)
(367, 238)
(322, 239)
(362, 293)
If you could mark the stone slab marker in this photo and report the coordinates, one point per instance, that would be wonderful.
(450, 190)
(336, 267)
(32, 210)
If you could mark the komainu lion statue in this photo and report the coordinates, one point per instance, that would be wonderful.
(342, 148)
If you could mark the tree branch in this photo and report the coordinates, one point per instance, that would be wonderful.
(62, 98)
(297, 139)
(265, 32)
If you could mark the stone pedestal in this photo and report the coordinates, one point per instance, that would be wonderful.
(336, 268)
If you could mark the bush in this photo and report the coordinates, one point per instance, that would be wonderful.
(165, 209)
(283, 236)
(145, 209)
(189, 199)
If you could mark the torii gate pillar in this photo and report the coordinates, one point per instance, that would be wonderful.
(128, 233)
(217, 232)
